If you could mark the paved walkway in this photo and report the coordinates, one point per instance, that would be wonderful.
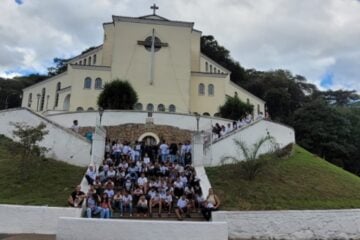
(27, 237)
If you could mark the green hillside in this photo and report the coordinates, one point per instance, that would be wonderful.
(50, 181)
(302, 181)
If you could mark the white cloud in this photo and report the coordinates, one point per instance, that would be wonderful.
(9, 75)
(309, 37)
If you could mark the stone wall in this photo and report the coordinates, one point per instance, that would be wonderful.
(132, 132)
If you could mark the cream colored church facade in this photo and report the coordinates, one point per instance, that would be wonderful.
(159, 57)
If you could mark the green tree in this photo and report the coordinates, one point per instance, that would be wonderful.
(340, 97)
(29, 137)
(352, 163)
(235, 109)
(11, 89)
(283, 92)
(117, 95)
(211, 48)
(278, 103)
(252, 164)
(60, 66)
(325, 131)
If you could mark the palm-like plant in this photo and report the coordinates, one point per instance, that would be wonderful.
(252, 164)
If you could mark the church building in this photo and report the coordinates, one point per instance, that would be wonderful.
(161, 59)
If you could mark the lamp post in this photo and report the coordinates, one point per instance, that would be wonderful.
(197, 122)
(101, 112)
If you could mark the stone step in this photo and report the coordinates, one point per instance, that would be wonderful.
(164, 216)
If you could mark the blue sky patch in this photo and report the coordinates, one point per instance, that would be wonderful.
(327, 80)
(19, 1)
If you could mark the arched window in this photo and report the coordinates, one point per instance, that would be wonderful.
(206, 114)
(94, 59)
(201, 89)
(217, 114)
(90, 109)
(211, 90)
(89, 62)
(206, 67)
(30, 100)
(85, 61)
(80, 62)
(79, 109)
(258, 108)
(248, 101)
(161, 108)
(138, 106)
(42, 102)
(172, 108)
(87, 83)
(214, 69)
(150, 107)
(218, 71)
(58, 87)
(98, 83)
(210, 68)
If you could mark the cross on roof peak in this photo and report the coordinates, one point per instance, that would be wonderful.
(154, 8)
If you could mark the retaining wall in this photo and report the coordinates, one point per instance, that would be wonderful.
(95, 229)
(117, 117)
(63, 144)
(300, 225)
(250, 134)
(33, 219)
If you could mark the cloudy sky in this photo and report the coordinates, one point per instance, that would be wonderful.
(318, 39)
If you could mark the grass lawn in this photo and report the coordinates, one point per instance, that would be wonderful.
(50, 182)
(302, 181)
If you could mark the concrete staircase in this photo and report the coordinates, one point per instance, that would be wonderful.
(195, 216)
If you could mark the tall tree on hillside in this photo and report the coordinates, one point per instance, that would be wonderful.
(323, 130)
(352, 163)
(211, 48)
(340, 97)
(283, 92)
(61, 63)
(60, 66)
(11, 89)
(235, 109)
(117, 95)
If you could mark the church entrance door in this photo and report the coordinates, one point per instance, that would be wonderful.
(149, 138)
